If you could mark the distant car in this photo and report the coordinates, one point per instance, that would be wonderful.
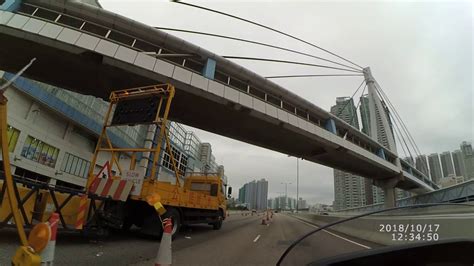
(254, 211)
(325, 213)
(276, 211)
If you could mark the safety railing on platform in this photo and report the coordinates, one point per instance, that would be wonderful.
(192, 63)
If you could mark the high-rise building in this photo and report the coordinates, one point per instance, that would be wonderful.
(409, 160)
(349, 189)
(302, 203)
(346, 110)
(262, 194)
(421, 163)
(255, 194)
(468, 155)
(458, 161)
(271, 203)
(435, 167)
(242, 194)
(447, 164)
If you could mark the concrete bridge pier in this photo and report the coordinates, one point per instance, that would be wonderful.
(388, 186)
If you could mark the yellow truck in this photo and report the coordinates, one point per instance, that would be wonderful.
(190, 198)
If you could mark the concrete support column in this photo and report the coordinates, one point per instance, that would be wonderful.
(389, 197)
(388, 186)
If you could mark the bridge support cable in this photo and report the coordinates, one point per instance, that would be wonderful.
(404, 127)
(268, 28)
(316, 75)
(400, 135)
(397, 128)
(286, 62)
(358, 104)
(347, 103)
(256, 43)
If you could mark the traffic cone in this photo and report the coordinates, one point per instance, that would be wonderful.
(47, 255)
(164, 253)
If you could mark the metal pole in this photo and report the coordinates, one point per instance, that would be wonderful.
(297, 184)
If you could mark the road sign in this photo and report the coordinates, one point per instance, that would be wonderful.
(137, 178)
(103, 173)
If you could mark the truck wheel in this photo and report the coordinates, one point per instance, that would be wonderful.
(218, 224)
(175, 218)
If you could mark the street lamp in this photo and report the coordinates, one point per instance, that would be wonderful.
(297, 183)
(286, 191)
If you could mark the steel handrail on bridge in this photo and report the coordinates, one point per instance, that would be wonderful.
(368, 144)
(356, 137)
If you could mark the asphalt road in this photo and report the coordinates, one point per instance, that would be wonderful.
(241, 241)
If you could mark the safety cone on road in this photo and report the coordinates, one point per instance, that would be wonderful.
(164, 253)
(47, 255)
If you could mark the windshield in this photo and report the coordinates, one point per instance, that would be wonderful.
(325, 238)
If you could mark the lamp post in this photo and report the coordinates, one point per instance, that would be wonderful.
(297, 183)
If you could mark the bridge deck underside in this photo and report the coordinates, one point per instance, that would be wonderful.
(68, 67)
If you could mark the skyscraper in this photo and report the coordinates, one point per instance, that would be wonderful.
(421, 163)
(435, 168)
(346, 110)
(447, 164)
(262, 194)
(255, 194)
(242, 194)
(466, 148)
(349, 189)
(458, 161)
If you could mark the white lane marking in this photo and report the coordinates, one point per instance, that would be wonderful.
(256, 239)
(331, 233)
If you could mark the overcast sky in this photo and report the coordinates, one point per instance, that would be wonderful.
(419, 52)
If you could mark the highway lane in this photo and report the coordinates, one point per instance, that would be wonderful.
(246, 242)
(241, 241)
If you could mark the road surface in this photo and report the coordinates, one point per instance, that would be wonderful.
(241, 241)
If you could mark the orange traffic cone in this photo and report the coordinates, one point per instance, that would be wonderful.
(164, 253)
(47, 255)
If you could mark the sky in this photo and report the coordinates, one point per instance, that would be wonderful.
(419, 52)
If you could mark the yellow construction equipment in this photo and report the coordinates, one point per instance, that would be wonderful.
(189, 198)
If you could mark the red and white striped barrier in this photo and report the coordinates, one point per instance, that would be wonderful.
(47, 255)
(81, 214)
(114, 188)
(164, 253)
